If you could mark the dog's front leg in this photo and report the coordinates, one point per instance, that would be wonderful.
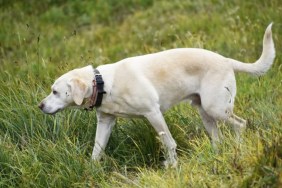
(157, 120)
(105, 123)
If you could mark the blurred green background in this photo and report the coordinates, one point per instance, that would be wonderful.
(40, 40)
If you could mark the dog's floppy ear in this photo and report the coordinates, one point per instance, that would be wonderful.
(78, 90)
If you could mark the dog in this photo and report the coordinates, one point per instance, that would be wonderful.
(148, 85)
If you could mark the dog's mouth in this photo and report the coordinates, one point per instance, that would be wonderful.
(53, 113)
(56, 111)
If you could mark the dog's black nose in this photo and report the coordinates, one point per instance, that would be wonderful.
(41, 105)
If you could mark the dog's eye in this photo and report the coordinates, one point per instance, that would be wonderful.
(55, 92)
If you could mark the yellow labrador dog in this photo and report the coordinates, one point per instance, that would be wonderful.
(148, 85)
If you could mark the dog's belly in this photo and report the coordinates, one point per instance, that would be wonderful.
(126, 107)
(126, 115)
(138, 106)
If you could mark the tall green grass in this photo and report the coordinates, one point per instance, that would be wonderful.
(40, 40)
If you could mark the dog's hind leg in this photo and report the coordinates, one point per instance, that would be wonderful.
(217, 94)
(105, 123)
(239, 125)
(158, 122)
(211, 126)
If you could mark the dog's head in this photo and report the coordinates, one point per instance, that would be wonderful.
(68, 90)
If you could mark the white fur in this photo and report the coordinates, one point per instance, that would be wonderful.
(148, 85)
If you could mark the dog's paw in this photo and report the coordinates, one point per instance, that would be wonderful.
(170, 164)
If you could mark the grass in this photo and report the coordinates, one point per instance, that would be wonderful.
(41, 40)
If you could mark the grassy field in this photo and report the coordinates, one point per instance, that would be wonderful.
(40, 40)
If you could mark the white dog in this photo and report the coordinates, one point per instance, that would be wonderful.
(148, 85)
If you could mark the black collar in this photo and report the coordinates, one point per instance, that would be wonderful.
(98, 90)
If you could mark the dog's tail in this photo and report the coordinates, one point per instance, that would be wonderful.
(265, 61)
